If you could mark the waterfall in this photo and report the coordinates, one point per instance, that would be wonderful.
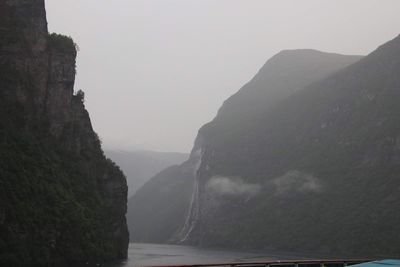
(193, 210)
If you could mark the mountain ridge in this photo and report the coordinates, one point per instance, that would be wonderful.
(344, 124)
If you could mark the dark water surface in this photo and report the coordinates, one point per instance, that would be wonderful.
(155, 254)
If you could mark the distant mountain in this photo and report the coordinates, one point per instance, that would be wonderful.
(140, 166)
(157, 209)
(62, 202)
(217, 148)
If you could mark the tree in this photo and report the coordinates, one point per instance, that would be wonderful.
(80, 95)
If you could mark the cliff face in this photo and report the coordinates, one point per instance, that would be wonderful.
(62, 201)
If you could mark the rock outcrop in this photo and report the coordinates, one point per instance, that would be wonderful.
(61, 201)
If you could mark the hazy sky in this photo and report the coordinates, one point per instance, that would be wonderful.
(154, 71)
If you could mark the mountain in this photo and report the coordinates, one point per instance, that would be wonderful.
(215, 149)
(318, 172)
(140, 166)
(62, 202)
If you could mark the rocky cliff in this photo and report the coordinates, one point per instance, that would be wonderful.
(62, 201)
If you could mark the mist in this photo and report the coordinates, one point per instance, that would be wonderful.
(232, 186)
(175, 61)
(296, 181)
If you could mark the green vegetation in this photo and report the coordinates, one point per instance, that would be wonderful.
(80, 95)
(62, 203)
(62, 43)
(50, 211)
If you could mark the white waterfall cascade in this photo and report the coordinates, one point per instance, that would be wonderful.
(193, 211)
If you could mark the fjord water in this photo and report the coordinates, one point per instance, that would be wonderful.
(160, 254)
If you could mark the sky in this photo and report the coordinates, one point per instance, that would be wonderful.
(155, 71)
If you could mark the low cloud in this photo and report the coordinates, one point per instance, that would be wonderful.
(296, 181)
(232, 186)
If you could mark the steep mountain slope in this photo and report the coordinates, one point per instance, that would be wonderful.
(280, 77)
(61, 201)
(140, 166)
(318, 172)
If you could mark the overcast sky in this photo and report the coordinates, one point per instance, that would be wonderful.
(154, 71)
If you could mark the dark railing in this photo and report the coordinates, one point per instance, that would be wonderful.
(279, 263)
